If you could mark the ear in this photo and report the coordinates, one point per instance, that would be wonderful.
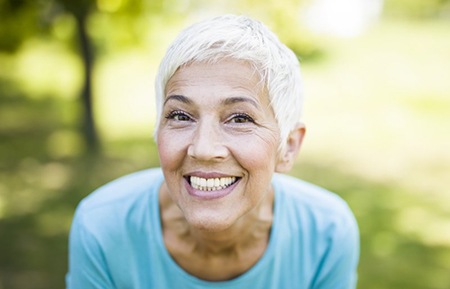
(293, 144)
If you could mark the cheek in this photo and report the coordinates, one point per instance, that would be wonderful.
(170, 150)
(257, 158)
(258, 153)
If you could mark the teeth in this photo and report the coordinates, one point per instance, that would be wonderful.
(213, 184)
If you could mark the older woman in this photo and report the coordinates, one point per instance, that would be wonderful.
(218, 214)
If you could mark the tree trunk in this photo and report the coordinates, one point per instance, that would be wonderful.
(88, 121)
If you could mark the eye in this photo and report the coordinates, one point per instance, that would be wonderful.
(241, 118)
(178, 115)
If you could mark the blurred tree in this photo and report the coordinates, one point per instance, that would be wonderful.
(81, 10)
(25, 19)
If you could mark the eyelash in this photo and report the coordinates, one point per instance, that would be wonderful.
(244, 116)
(177, 113)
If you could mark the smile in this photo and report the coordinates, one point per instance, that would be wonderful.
(212, 184)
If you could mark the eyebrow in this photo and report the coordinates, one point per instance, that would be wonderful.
(227, 101)
(238, 99)
(178, 97)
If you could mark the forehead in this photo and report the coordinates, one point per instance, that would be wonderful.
(226, 77)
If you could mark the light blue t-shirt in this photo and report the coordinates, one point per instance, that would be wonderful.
(116, 241)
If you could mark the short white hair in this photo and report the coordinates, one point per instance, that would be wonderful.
(246, 39)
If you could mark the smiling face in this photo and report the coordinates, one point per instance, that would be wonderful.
(217, 142)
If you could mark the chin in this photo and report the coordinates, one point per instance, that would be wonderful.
(210, 222)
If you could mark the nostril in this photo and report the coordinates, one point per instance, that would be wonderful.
(207, 142)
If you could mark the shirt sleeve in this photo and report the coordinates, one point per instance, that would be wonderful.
(87, 264)
(338, 267)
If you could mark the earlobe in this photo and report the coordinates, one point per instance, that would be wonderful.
(293, 144)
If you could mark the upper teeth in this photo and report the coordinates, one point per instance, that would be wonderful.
(211, 184)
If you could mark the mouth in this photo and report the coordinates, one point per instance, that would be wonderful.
(211, 184)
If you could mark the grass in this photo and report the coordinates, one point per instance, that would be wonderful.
(377, 117)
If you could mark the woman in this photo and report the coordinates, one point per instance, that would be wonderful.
(218, 214)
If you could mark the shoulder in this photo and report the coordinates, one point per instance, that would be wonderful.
(119, 200)
(307, 193)
(122, 189)
(313, 206)
(322, 225)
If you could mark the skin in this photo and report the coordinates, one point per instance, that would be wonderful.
(217, 122)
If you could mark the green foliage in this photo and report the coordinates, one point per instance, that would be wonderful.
(19, 20)
(417, 8)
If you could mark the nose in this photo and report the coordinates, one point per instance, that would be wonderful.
(208, 143)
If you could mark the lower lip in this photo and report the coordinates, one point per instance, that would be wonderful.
(210, 195)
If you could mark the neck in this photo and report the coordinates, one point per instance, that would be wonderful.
(216, 255)
(250, 230)
(254, 227)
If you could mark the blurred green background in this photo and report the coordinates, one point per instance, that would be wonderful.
(76, 111)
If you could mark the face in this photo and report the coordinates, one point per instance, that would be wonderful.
(217, 142)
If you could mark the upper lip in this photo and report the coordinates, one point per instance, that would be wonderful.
(208, 175)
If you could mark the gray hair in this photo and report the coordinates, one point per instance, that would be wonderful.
(240, 38)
